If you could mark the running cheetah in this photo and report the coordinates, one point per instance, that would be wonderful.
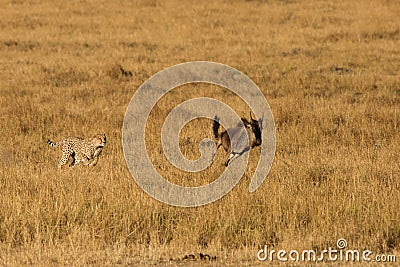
(80, 150)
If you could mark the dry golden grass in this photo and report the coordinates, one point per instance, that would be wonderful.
(329, 69)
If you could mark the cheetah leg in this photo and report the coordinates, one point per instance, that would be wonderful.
(64, 158)
(80, 158)
(94, 162)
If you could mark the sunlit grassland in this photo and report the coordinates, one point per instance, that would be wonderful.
(329, 70)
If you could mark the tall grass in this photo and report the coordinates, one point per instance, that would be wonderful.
(330, 71)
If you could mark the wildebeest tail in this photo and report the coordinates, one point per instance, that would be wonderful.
(216, 127)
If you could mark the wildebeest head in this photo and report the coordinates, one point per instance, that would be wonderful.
(253, 130)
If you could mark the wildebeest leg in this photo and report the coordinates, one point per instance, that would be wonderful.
(231, 156)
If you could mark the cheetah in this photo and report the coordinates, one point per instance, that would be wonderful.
(80, 150)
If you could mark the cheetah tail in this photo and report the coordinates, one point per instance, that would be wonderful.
(51, 143)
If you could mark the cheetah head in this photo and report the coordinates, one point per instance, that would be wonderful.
(99, 140)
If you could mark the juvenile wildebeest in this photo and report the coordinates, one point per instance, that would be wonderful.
(237, 134)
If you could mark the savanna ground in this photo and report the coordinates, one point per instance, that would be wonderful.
(330, 71)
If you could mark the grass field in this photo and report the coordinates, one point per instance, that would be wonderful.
(330, 71)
